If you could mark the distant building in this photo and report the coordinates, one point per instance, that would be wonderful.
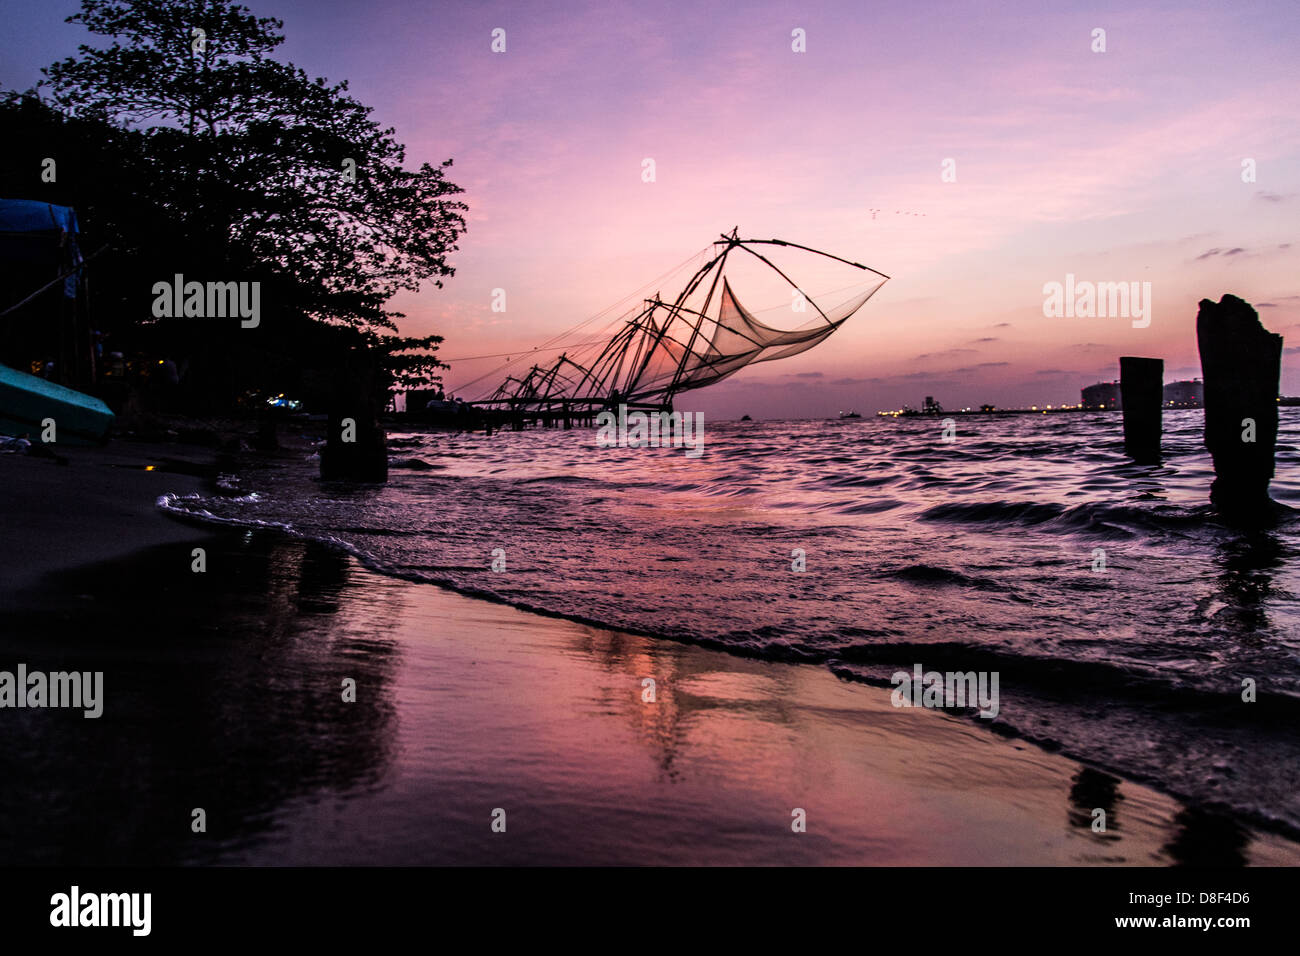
(987, 408)
(931, 407)
(1102, 395)
(1185, 394)
(418, 398)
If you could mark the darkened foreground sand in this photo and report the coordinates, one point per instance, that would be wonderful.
(224, 691)
(99, 505)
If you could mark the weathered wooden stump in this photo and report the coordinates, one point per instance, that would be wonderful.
(1141, 389)
(364, 457)
(1241, 364)
(356, 446)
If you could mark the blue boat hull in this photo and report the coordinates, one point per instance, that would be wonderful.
(26, 402)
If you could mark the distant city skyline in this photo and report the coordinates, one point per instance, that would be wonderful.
(1171, 158)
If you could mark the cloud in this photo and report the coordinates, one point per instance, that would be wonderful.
(1266, 305)
(930, 355)
(1051, 371)
(985, 339)
(1272, 197)
(1217, 251)
(1234, 251)
(976, 368)
(804, 375)
(857, 381)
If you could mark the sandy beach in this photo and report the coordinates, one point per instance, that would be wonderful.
(464, 708)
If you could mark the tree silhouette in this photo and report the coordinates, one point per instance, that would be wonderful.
(265, 170)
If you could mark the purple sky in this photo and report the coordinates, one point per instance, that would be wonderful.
(1118, 167)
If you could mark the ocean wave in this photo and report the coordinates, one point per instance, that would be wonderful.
(1090, 518)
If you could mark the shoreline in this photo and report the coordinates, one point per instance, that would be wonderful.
(483, 704)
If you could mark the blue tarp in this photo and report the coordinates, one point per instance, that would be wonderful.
(28, 215)
(36, 232)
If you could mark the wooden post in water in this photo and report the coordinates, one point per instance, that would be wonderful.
(1241, 363)
(1141, 389)
(356, 447)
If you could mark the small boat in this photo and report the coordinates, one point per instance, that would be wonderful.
(27, 401)
(849, 415)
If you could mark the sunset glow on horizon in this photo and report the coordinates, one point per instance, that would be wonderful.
(1116, 166)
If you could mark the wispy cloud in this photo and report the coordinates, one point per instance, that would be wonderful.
(1209, 253)
(933, 355)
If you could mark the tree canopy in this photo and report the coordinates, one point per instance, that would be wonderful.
(249, 167)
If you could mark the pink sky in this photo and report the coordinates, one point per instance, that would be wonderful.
(1116, 166)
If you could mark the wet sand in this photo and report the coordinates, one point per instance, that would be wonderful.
(546, 719)
(224, 691)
